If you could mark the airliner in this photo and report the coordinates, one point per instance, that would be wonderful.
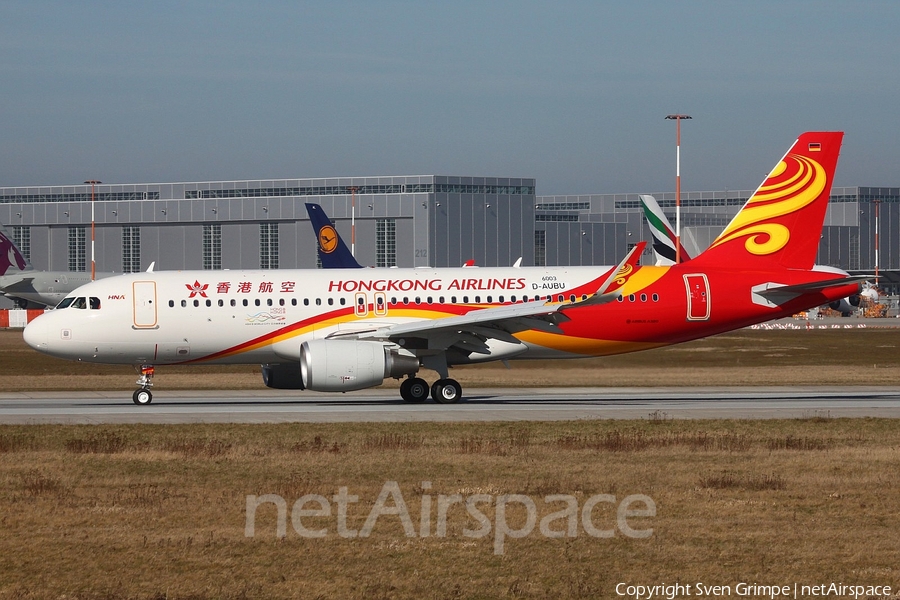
(19, 280)
(349, 329)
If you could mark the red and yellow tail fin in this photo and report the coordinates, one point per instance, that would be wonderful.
(781, 223)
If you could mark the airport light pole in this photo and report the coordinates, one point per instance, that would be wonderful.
(677, 119)
(877, 203)
(93, 182)
(353, 220)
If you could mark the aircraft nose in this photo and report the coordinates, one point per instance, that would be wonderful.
(37, 334)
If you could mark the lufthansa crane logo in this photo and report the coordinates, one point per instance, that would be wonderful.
(328, 239)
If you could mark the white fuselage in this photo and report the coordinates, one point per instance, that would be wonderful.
(253, 317)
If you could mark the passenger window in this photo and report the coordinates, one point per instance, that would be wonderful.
(233, 302)
(171, 303)
(643, 297)
(343, 301)
(246, 302)
(656, 297)
(256, 302)
(330, 301)
(184, 304)
(306, 302)
(196, 303)
(318, 302)
(208, 303)
(269, 302)
(221, 303)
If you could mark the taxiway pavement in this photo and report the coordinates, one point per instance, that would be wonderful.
(487, 404)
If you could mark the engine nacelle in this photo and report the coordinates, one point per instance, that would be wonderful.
(845, 305)
(283, 376)
(345, 365)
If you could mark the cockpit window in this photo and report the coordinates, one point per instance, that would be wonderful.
(80, 303)
(66, 302)
(95, 303)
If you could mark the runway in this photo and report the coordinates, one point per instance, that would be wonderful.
(494, 404)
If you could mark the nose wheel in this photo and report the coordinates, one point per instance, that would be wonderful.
(143, 395)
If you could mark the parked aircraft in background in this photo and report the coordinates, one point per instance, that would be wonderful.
(333, 252)
(21, 282)
(349, 329)
(663, 235)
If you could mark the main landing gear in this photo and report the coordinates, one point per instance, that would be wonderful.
(444, 391)
(143, 395)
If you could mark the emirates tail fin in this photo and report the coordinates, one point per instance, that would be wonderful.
(663, 235)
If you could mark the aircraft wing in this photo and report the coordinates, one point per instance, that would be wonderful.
(24, 284)
(501, 321)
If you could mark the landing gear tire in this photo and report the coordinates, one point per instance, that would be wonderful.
(446, 391)
(414, 390)
(142, 397)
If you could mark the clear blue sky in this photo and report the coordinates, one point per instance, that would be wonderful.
(573, 93)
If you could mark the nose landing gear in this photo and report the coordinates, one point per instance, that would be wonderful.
(143, 395)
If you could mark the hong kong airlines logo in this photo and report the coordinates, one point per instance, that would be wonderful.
(197, 289)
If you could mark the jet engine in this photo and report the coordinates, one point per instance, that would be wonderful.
(846, 305)
(345, 365)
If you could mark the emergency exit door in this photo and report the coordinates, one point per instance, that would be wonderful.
(698, 304)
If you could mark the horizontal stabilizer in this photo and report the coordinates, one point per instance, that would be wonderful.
(774, 294)
(814, 286)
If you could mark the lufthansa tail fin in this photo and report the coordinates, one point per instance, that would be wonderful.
(781, 223)
(11, 258)
(332, 249)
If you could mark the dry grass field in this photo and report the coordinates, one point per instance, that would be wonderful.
(153, 512)
(746, 357)
(146, 512)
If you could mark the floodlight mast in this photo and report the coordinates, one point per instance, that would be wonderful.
(677, 119)
(93, 182)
